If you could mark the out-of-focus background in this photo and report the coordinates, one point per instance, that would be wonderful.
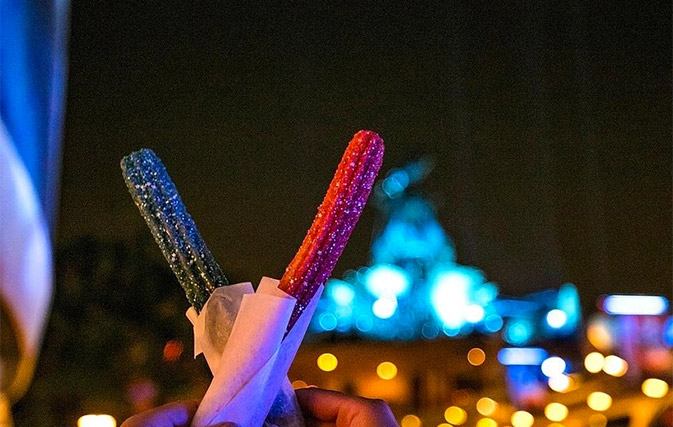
(527, 180)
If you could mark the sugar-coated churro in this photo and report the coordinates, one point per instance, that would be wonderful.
(335, 220)
(172, 227)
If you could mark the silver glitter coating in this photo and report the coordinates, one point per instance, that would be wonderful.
(172, 227)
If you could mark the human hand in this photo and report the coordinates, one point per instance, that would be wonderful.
(332, 408)
(176, 414)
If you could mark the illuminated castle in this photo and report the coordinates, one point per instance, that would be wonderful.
(414, 289)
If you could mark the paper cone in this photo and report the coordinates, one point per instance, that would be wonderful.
(253, 364)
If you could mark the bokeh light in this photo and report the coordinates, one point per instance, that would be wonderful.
(455, 415)
(560, 383)
(486, 406)
(410, 421)
(96, 420)
(593, 362)
(553, 366)
(599, 334)
(487, 422)
(476, 356)
(327, 362)
(556, 411)
(615, 366)
(387, 279)
(384, 307)
(599, 401)
(173, 350)
(522, 419)
(556, 318)
(518, 332)
(342, 293)
(654, 387)
(474, 313)
(598, 420)
(386, 370)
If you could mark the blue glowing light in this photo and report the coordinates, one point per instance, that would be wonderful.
(387, 279)
(384, 308)
(518, 331)
(668, 332)
(474, 313)
(493, 323)
(485, 294)
(556, 318)
(395, 183)
(449, 294)
(342, 293)
(429, 331)
(364, 323)
(568, 300)
(327, 321)
(635, 304)
(522, 356)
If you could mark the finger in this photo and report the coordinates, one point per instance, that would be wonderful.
(323, 405)
(343, 410)
(176, 414)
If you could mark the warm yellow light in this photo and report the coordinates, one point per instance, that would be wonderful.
(487, 422)
(444, 425)
(96, 420)
(386, 370)
(594, 362)
(598, 420)
(455, 415)
(327, 362)
(556, 425)
(411, 421)
(486, 406)
(615, 366)
(522, 419)
(476, 356)
(560, 383)
(654, 387)
(299, 384)
(556, 411)
(599, 401)
(599, 336)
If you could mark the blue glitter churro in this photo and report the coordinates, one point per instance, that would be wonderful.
(172, 227)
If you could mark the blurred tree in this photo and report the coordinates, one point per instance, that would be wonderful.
(117, 340)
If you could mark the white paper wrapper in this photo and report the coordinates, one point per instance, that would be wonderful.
(241, 335)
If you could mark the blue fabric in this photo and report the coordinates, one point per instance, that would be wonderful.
(32, 88)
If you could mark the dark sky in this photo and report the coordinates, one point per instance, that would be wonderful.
(550, 125)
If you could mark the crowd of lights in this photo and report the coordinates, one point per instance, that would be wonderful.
(489, 410)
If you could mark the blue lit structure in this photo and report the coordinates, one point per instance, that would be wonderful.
(414, 289)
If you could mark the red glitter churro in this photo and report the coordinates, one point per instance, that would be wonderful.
(337, 215)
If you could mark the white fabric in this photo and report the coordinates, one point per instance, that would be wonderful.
(25, 251)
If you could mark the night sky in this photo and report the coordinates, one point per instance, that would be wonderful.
(549, 122)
